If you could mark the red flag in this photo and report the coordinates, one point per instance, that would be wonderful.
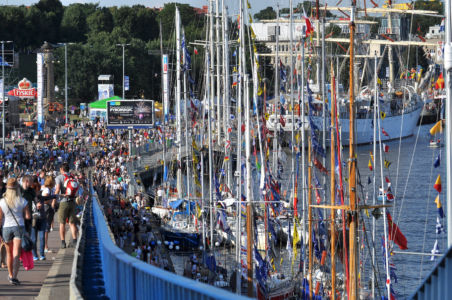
(437, 185)
(389, 196)
(243, 128)
(440, 82)
(196, 51)
(319, 166)
(317, 196)
(282, 121)
(385, 148)
(395, 234)
(384, 132)
(309, 28)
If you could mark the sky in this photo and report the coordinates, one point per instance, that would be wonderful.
(233, 4)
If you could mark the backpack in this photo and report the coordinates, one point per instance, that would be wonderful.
(71, 186)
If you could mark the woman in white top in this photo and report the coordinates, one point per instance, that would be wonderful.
(13, 210)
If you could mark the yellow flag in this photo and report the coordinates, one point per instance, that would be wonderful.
(382, 115)
(198, 211)
(379, 81)
(253, 35)
(387, 164)
(249, 5)
(296, 239)
(437, 128)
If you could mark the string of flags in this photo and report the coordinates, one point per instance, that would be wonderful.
(439, 227)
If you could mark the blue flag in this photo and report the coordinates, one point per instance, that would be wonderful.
(437, 162)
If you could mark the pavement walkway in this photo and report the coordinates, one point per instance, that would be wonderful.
(33, 280)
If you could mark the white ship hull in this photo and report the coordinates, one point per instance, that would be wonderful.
(400, 126)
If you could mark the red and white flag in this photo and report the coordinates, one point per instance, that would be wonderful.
(309, 28)
(196, 51)
(384, 132)
(385, 148)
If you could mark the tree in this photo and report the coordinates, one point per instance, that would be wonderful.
(74, 24)
(100, 20)
(423, 22)
(266, 14)
(50, 13)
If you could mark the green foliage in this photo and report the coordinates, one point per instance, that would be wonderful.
(424, 22)
(100, 20)
(74, 23)
(266, 14)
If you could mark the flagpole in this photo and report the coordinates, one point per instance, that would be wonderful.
(388, 278)
(277, 87)
(373, 172)
(333, 185)
(448, 69)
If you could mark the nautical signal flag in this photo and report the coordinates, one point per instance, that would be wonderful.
(395, 234)
(437, 128)
(370, 165)
(440, 82)
(437, 161)
(379, 81)
(439, 206)
(384, 132)
(309, 28)
(196, 51)
(385, 148)
(437, 184)
(387, 164)
(382, 115)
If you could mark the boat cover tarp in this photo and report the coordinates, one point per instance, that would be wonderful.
(175, 204)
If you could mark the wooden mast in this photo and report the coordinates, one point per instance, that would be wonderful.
(310, 218)
(249, 209)
(353, 213)
(333, 186)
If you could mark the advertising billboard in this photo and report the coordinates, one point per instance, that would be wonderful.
(40, 92)
(105, 91)
(130, 113)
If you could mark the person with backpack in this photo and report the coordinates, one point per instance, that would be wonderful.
(66, 187)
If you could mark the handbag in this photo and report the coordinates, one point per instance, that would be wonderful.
(26, 243)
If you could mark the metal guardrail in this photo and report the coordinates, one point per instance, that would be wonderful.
(75, 280)
(127, 278)
(438, 284)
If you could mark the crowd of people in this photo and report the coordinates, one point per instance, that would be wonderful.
(34, 173)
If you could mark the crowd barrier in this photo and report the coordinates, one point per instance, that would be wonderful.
(127, 278)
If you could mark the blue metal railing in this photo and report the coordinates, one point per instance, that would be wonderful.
(126, 277)
(438, 284)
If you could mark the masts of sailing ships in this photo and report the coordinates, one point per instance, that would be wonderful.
(186, 98)
(178, 112)
(218, 57)
(211, 111)
(249, 208)
(353, 225)
(226, 99)
(333, 186)
(240, 84)
(277, 87)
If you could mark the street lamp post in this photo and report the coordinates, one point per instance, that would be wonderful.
(124, 90)
(123, 69)
(3, 92)
(65, 82)
(65, 79)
